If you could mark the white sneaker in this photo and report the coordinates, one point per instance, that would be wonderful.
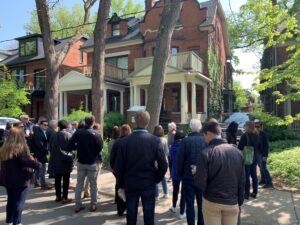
(182, 216)
(173, 209)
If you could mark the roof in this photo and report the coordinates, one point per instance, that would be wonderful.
(132, 34)
(14, 59)
(8, 52)
(211, 11)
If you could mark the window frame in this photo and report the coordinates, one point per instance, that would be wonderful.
(177, 108)
(113, 30)
(23, 42)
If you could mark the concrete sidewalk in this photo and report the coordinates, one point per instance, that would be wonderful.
(272, 207)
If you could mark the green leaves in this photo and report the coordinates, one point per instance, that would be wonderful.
(241, 97)
(12, 97)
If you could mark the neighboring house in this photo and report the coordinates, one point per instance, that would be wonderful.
(28, 64)
(130, 45)
(5, 53)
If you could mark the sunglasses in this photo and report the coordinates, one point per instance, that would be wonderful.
(45, 125)
(257, 126)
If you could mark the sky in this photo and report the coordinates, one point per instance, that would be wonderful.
(15, 13)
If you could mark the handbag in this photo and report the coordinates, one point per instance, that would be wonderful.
(248, 153)
(66, 157)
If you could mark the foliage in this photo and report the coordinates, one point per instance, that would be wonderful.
(215, 103)
(277, 146)
(284, 162)
(61, 17)
(125, 7)
(105, 155)
(241, 98)
(112, 119)
(271, 25)
(12, 95)
(77, 115)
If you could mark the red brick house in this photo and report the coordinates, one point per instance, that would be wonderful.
(130, 45)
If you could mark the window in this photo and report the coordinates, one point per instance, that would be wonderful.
(39, 79)
(115, 29)
(153, 51)
(174, 50)
(80, 56)
(114, 101)
(28, 48)
(178, 22)
(19, 73)
(175, 100)
(120, 61)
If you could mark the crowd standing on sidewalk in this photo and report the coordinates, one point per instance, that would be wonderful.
(202, 166)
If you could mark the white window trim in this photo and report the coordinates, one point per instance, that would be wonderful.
(114, 54)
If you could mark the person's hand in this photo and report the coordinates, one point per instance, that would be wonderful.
(264, 158)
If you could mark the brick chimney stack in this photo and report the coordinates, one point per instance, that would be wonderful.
(148, 4)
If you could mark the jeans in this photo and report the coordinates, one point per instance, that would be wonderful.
(190, 192)
(164, 187)
(219, 214)
(265, 174)
(40, 175)
(148, 202)
(176, 186)
(66, 182)
(15, 204)
(91, 172)
(251, 171)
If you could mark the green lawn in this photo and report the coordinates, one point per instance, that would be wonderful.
(284, 161)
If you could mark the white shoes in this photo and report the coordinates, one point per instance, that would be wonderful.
(173, 210)
(182, 216)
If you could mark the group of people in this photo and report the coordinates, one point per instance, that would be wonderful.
(202, 165)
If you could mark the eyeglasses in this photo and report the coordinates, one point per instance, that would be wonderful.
(45, 125)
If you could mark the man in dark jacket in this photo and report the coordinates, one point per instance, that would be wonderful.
(88, 144)
(263, 152)
(221, 177)
(40, 150)
(140, 164)
(189, 151)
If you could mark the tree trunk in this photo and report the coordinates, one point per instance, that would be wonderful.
(98, 67)
(168, 20)
(54, 59)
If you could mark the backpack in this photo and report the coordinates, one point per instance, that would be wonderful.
(248, 153)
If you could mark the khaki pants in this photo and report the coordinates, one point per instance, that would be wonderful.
(218, 214)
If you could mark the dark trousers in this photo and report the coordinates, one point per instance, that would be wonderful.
(251, 171)
(148, 202)
(121, 205)
(15, 204)
(66, 182)
(176, 186)
(190, 193)
(265, 174)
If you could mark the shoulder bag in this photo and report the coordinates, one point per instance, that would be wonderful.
(248, 153)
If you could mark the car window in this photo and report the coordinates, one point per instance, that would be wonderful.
(3, 121)
(237, 117)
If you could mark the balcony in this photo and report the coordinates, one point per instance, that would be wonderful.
(188, 61)
(111, 72)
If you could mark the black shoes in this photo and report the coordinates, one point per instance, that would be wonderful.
(253, 195)
(246, 196)
(267, 186)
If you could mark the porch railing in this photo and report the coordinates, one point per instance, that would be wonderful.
(110, 71)
(189, 61)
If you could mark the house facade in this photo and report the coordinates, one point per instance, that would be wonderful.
(130, 45)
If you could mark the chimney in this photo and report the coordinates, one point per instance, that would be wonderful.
(148, 5)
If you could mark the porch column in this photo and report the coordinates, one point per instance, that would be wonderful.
(65, 97)
(105, 99)
(131, 96)
(86, 102)
(137, 96)
(205, 98)
(122, 102)
(61, 112)
(146, 96)
(193, 100)
(183, 102)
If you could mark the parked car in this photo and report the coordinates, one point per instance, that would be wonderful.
(240, 117)
(4, 120)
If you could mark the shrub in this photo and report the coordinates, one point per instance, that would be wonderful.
(105, 155)
(112, 119)
(76, 115)
(277, 133)
(278, 146)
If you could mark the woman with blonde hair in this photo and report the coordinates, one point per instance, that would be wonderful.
(16, 173)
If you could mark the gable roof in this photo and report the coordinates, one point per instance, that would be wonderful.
(14, 59)
(211, 7)
(132, 34)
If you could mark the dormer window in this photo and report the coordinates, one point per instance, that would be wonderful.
(115, 29)
(27, 47)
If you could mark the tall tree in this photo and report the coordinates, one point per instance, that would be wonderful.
(55, 58)
(98, 66)
(123, 7)
(170, 14)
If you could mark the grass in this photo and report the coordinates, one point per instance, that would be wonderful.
(284, 162)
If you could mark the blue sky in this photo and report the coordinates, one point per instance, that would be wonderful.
(15, 13)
